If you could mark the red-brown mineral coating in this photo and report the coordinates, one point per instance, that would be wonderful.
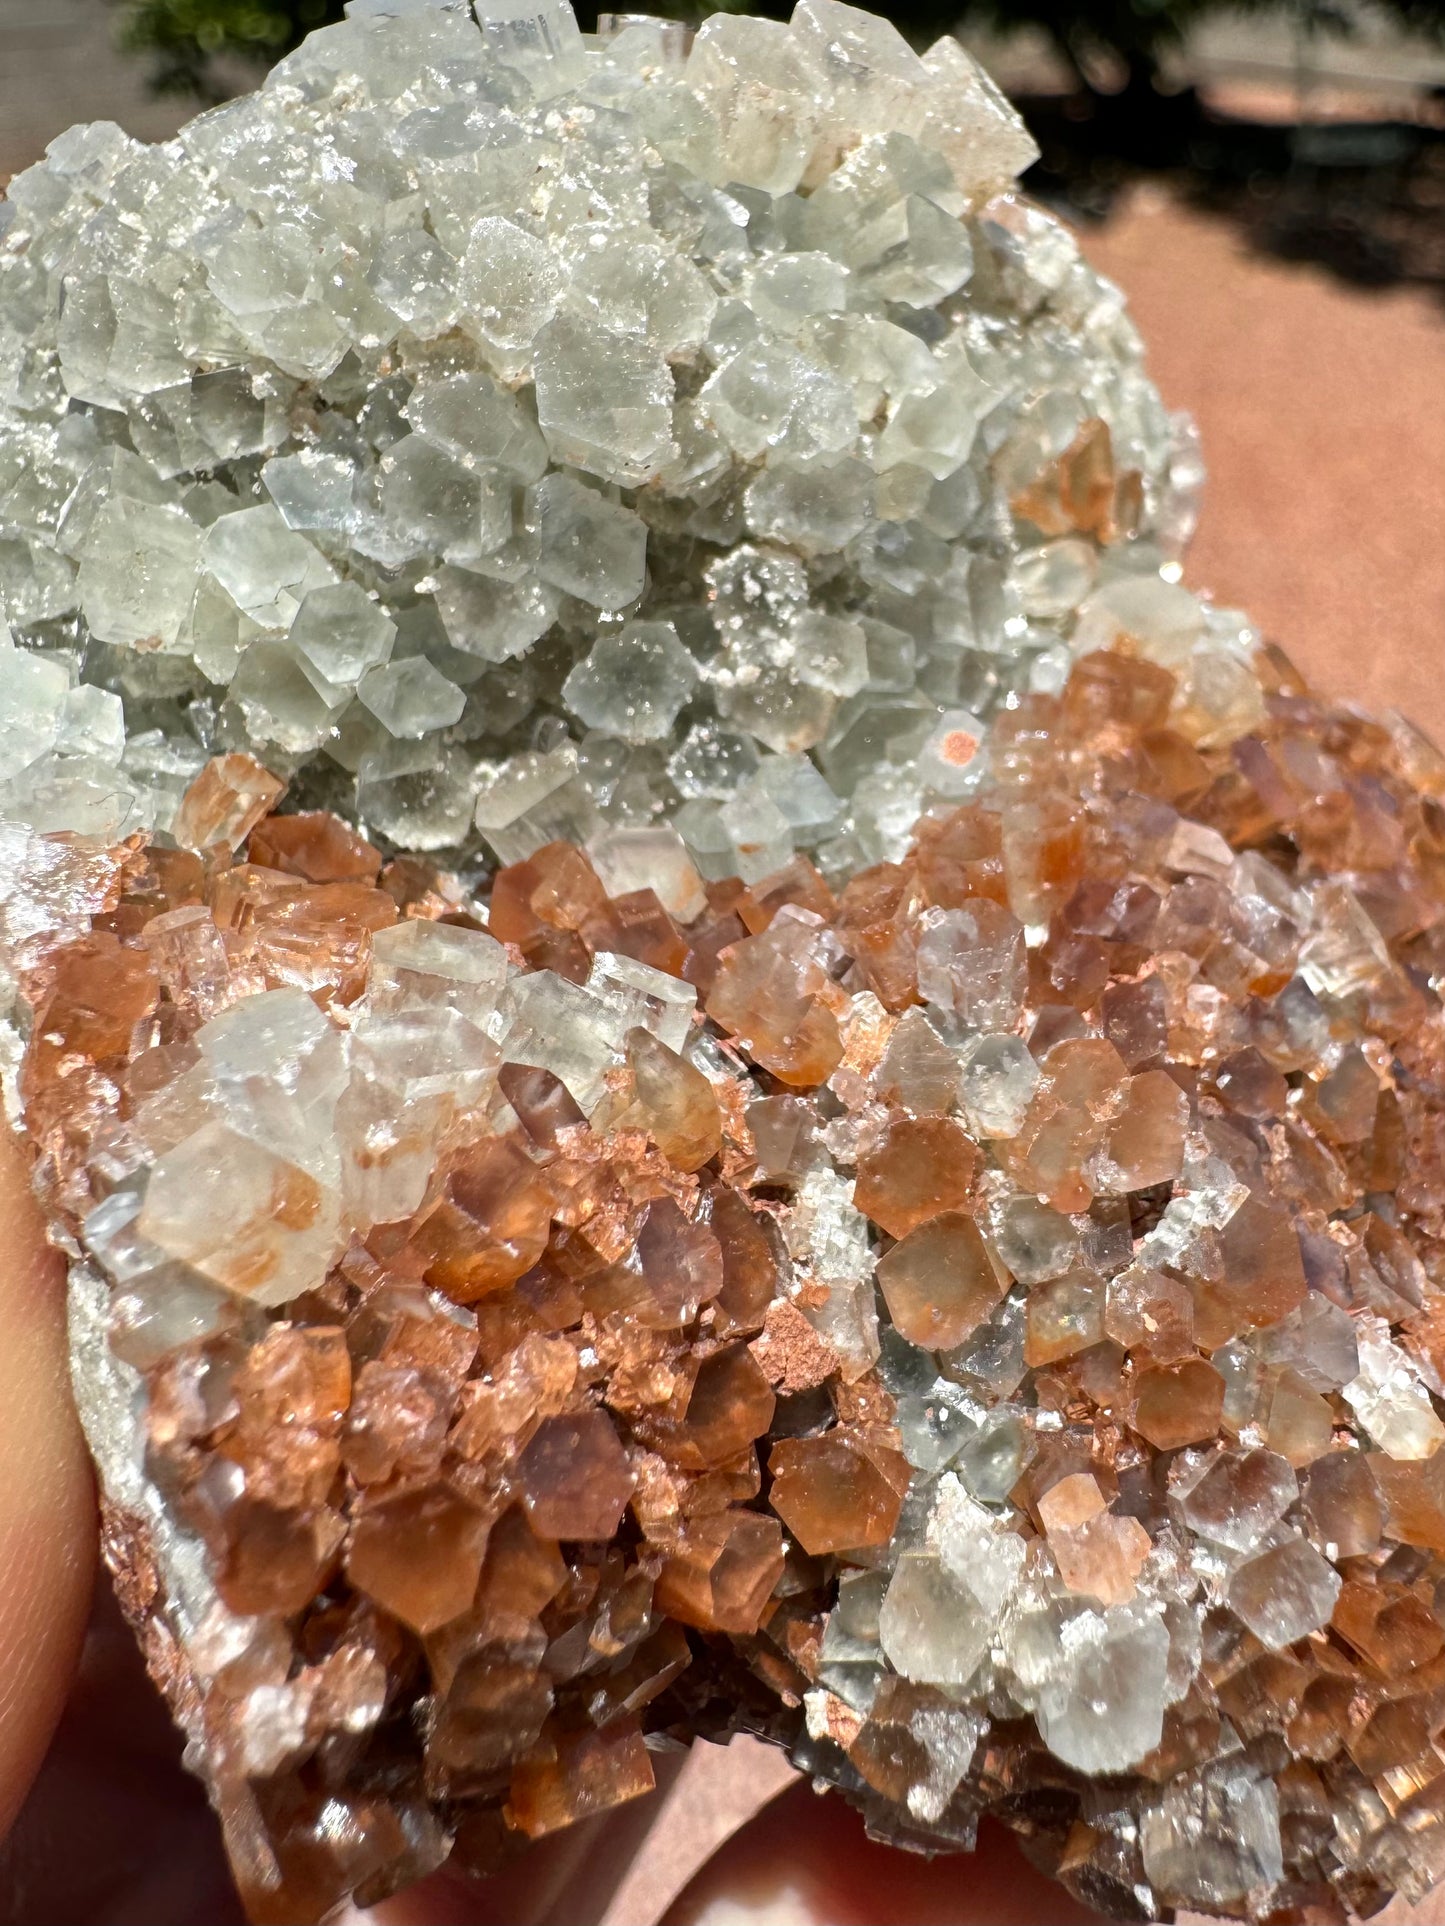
(573, 1452)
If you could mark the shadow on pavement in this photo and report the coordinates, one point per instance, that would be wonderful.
(1363, 199)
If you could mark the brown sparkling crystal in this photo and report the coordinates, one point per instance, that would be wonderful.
(992, 1344)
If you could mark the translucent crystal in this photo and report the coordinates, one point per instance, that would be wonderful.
(870, 71)
(996, 1084)
(1284, 1593)
(284, 698)
(772, 397)
(509, 286)
(1101, 1704)
(212, 1202)
(33, 697)
(975, 1546)
(967, 120)
(138, 572)
(588, 546)
(604, 400)
(278, 1064)
(434, 505)
(483, 309)
(1391, 1402)
(477, 421)
(643, 996)
(1215, 1838)
(933, 1425)
(419, 962)
(754, 80)
(633, 683)
(1240, 1495)
(342, 632)
(417, 1072)
(971, 965)
(561, 1027)
(410, 698)
(636, 287)
(264, 567)
(518, 793)
(918, 1069)
(932, 1628)
(415, 277)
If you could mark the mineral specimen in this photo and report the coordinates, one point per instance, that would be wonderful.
(505, 435)
(518, 1324)
(557, 1268)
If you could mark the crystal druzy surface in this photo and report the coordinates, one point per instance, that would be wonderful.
(516, 1325)
(504, 444)
(708, 1059)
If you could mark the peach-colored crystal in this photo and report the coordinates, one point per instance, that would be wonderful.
(1151, 1314)
(225, 802)
(1145, 1144)
(750, 1263)
(1343, 1503)
(1084, 1088)
(488, 1224)
(917, 1168)
(316, 846)
(1261, 1274)
(769, 992)
(553, 907)
(574, 1477)
(837, 1492)
(577, 1774)
(1096, 1553)
(721, 1571)
(939, 1283)
(730, 1404)
(1178, 1404)
(673, 1101)
(418, 1554)
(1052, 1213)
(676, 1264)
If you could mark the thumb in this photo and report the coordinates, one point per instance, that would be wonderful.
(47, 1529)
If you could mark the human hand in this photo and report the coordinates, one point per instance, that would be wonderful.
(105, 1828)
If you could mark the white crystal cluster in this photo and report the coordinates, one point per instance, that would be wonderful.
(279, 1099)
(508, 433)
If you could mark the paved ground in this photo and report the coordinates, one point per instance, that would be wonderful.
(1322, 409)
(58, 64)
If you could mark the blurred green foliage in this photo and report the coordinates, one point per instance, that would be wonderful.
(197, 46)
(193, 45)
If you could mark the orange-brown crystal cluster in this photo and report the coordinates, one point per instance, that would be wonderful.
(979, 1321)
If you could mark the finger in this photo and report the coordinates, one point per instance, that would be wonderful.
(47, 1525)
(152, 1848)
(806, 1861)
(565, 1880)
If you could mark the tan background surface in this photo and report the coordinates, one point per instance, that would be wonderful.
(1322, 409)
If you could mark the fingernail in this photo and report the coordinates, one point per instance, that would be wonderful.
(786, 1905)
